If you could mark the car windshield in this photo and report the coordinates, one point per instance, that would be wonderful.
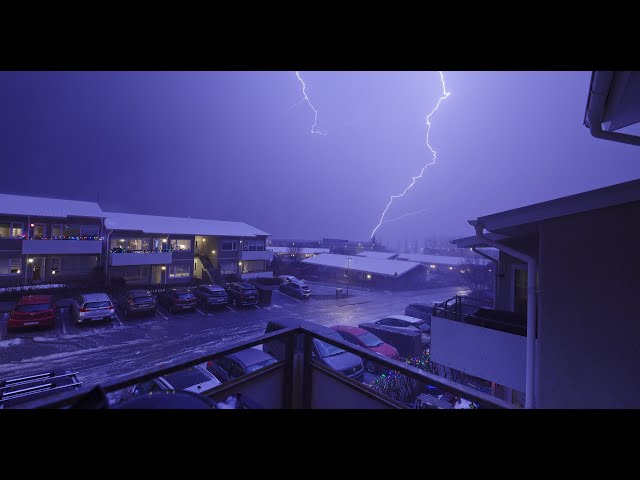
(184, 296)
(326, 349)
(143, 299)
(258, 366)
(33, 308)
(186, 378)
(97, 304)
(370, 340)
(424, 326)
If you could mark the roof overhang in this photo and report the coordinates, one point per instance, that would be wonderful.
(613, 103)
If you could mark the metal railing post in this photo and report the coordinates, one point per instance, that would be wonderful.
(306, 372)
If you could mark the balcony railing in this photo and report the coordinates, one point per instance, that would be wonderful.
(479, 341)
(255, 255)
(121, 257)
(296, 381)
(62, 246)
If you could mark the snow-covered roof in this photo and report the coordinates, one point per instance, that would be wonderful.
(303, 250)
(373, 254)
(47, 207)
(435, 259)
(362, 264)
(178, 225)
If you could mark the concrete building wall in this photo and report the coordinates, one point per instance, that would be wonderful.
(589, 318)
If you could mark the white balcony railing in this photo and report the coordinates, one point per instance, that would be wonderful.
(118, 259)
(61, 247)
(247, 255)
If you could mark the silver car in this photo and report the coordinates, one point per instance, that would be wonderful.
(91, 307)
(195, 379)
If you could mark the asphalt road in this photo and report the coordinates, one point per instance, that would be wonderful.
(99, 351)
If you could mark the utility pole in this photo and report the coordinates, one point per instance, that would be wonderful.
(348, 273)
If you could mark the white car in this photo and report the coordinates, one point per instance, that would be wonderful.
(289, 278)
(91, 307)
(195, 379)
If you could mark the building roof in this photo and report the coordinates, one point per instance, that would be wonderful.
(524, 220)
(178, 225)
(47, 207)
(437, 259)
(303, 250)
(374, 254)
(473, 241)
(362, 264)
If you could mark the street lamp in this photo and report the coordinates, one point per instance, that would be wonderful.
(348, 271)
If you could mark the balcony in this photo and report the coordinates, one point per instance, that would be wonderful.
(61, 247)
(247, 276)
(139, 257)
(485, 343)
(249, 255)
(295, 381)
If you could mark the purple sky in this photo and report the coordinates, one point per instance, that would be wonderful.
(227, 145)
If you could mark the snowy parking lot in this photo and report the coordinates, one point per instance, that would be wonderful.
(105, 349)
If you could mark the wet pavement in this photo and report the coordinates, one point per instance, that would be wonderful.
(102, 350)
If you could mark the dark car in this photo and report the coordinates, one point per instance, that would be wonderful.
(419, 310)
(178, 299)
(17, 390)
(328, 355)
(368, 340)
(240, 363)
(242, 293)
(296, 289)
(33, 311)
(211, 296)
(137, 302)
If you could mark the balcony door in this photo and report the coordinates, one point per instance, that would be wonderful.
(37, 269)
(39, 231)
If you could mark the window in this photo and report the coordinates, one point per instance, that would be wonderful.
(135, 273)
(59, 230)
(56, 230)
(56, 265)
(179, 271)
(181, 244)
(39, 231)
(230, 245)
(11, 229)
(253, 245)
(10, 266)
(228, 267)
(252, 266)
(137, 244)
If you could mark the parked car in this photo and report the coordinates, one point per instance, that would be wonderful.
(178, 299)
(22, 389)
(368, 340)
(240, 363)
(326, 354)
(296, 289)
(138, 301)
(288, 278)
(195, 379)
(92, 307)
(32, 311)
(211, 296)
(406, 322)
(242, 293)
(419, 310)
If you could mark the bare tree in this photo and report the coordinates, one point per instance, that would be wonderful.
(475, 272)
(295, 254)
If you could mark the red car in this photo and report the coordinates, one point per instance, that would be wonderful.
(33, 311)
(368, 340)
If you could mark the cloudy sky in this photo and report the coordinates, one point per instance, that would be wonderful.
(238, 146)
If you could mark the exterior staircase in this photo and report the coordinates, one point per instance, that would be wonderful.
(212, 272)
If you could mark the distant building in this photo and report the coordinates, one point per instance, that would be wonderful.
(305, 252)
(437, 263)
(368, 272)
(375, 254)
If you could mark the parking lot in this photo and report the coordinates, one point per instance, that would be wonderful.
(102, 350)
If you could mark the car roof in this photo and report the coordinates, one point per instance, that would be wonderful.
(357, 331)
(250, 356)
(213, 287)
(406, 318)
(95, 297)
(181, 290)
(35, 299)
(139, 292)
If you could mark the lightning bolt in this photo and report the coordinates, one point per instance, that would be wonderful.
(306, 98)
(405, 215)
(445, 94)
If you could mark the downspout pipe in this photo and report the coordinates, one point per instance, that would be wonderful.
(495, 282)
(531, 306)
(601, 82)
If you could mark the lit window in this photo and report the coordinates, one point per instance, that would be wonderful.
(181, 244)
(179, 271)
